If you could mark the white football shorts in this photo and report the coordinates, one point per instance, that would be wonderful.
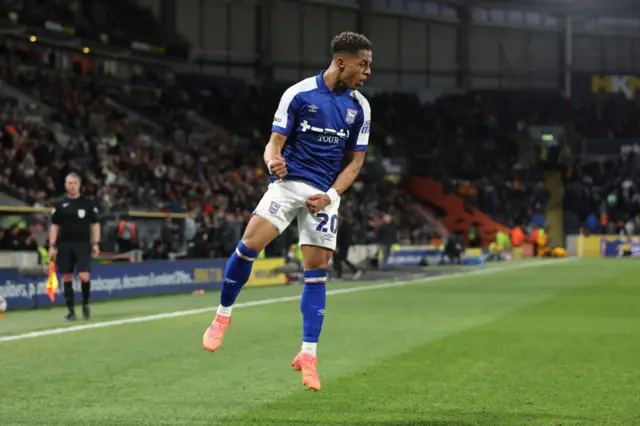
(285, 200)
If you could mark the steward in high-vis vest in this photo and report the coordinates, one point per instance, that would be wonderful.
(126, 236)
(43, 256)
(542, 242)
(295, 254)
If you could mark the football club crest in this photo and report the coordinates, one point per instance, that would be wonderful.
(274, 208)
(81, 213)
(351, 116)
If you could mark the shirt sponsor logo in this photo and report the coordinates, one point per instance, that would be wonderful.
(325, 135)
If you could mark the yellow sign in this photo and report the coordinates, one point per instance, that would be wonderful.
(591, 246)
(207, 275)
(517, 253)
(628, 85)
(262, 273)
(473, 252)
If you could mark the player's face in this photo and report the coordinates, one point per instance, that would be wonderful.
(357, 69)
(72, 186)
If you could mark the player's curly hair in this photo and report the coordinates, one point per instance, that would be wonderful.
(350, 42)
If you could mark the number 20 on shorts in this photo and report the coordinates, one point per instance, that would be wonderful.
(333, 223)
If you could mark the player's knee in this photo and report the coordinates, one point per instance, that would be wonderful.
(315, 266)
(84, 276)
(315, 257)
(259, 233)
(67, 278)
(252, 244)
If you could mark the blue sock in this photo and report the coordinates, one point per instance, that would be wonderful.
(236, 273)
(312, 304)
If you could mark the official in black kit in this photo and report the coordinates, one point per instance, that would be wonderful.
(345, 239)
(74, 239)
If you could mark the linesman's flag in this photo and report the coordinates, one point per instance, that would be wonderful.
(52, 282)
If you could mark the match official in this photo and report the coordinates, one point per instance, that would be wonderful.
(74, 238)
(344, 240)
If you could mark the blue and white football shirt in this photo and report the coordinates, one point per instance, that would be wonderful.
(320, 125)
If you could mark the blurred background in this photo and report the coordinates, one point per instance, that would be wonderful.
(502, 131)
(500, 128)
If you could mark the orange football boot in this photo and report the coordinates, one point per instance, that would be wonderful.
(212, 338)
(306, 363)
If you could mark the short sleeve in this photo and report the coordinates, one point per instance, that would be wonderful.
(359, 138)
(93, 212)
(285, 116)
(55, 216)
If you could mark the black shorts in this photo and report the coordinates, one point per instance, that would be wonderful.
(73, 256)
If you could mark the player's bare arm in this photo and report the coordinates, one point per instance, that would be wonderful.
(350, 172)
(53, 237)
(345, 179)
(273, 155)
(95, 232)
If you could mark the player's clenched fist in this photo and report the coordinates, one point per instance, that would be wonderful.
(278, 167)
(317, 203)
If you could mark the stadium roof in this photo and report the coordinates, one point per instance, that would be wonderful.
(577, 8)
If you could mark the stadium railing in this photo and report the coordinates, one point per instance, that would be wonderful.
(111, 279)
(38, 219)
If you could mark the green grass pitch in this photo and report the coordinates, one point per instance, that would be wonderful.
(554, 343)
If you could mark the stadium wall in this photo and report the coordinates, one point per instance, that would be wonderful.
(125, 280)
(414, 48)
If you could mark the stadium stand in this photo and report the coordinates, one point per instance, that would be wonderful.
(120, 21)
(191, 143)
(604, 195)
(496, 137)
(179, 167)
(473, 143)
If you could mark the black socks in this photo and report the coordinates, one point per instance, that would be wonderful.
(68, 296)
(86, 292)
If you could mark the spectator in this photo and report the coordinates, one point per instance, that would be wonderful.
(156, 252)
(386, 233)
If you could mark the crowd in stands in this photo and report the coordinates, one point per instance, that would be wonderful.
(135, 145)
(15, 238)
(469, 142)
(605, 195)
(480, 144)
(176, 168)
(180, 167)
(602, 190)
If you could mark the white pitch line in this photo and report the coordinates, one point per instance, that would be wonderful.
(62, 330)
